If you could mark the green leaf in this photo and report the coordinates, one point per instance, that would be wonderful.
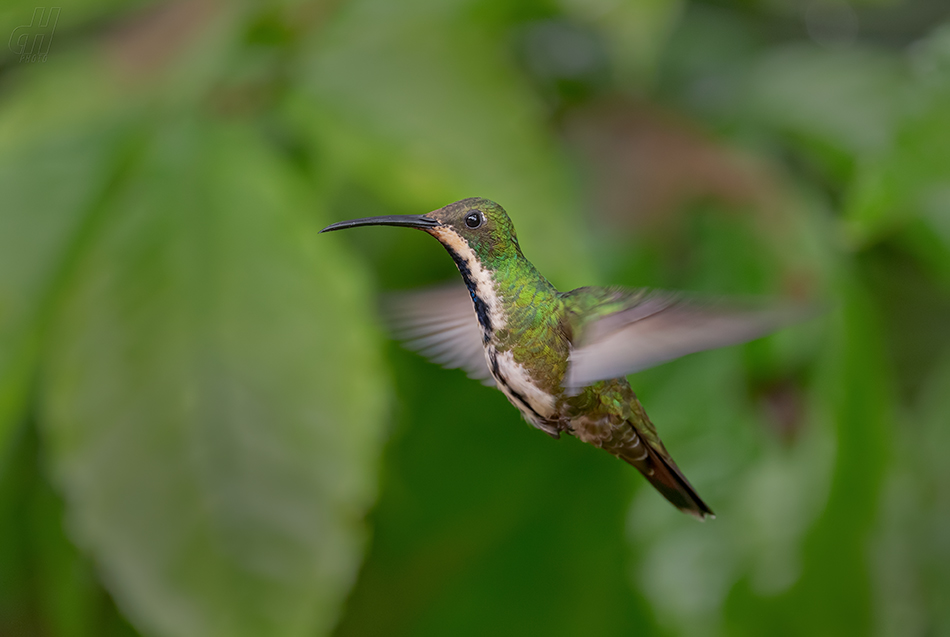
(50, 184)
(213, 401)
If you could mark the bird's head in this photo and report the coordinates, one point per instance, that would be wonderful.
(471, 228)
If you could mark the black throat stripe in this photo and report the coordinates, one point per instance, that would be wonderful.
(481, 309)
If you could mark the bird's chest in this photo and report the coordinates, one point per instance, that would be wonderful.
(514, 380)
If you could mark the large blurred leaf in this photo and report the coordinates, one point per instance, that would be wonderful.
(213, 400)
(54, 172)
(46, 200)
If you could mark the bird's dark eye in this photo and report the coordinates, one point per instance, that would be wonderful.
(473, 219)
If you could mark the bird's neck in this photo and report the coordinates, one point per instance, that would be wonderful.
(501, 287)
(517, 300)
(519, 312)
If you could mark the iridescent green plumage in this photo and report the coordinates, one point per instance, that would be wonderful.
(561, 358)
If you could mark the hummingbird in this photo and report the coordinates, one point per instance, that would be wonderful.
(561, 358)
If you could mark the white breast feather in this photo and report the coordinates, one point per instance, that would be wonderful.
(517, 378)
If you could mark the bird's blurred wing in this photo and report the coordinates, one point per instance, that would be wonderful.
(440, 323)
(652, 327)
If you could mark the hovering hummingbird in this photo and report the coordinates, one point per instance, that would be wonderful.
(561, 357)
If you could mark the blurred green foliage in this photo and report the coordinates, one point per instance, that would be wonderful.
(199, 410)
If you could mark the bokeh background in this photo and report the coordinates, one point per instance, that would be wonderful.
(204, 430)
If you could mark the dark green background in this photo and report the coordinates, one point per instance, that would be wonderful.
(204, 430)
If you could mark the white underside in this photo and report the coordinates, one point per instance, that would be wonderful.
(515, 379)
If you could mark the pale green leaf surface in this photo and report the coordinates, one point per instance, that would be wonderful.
(213, 403)
(58, 158)
(48, 186)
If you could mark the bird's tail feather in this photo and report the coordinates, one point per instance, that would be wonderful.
(658, 467)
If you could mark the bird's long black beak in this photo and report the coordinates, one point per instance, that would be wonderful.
(407, 221)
